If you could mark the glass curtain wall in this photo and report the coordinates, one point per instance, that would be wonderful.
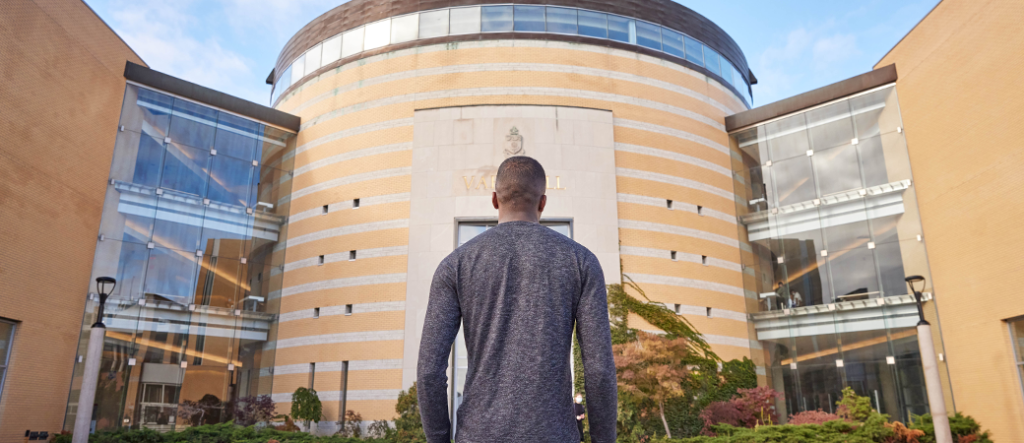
(459, 362)
(509, 18)
(827, 206)
(193, 229)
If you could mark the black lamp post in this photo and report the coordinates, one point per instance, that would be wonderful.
(104, 286)
(91, 372)
(911, 281)
(930, 364)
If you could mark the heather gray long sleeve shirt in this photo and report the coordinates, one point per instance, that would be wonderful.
(518, 289)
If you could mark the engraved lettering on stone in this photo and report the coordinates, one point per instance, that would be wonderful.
(514, 143)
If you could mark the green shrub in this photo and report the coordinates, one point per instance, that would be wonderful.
(963, 427)
(218, 433)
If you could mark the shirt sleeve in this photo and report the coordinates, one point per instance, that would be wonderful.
(440, 327)
(595, 337)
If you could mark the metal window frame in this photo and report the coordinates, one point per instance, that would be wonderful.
(1018, 359)
(5, 363)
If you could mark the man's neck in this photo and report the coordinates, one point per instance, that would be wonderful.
(518, 216)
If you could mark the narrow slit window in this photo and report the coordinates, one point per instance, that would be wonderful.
(677, 307)
(351, 255)
(348, 309)
(709, 313)
(316, 312)
(325, 209)
(312, 374)
(704, 260)
(668, 204)
(673, 255)
(700, 210)
(355, 203)
(320, 260)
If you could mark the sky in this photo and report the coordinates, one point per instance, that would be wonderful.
(792, 46)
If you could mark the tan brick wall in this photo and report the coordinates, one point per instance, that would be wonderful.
(356, 142)
(963, 105)
(61, 96)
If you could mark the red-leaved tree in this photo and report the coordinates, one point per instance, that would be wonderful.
(751, 408)
(817, 417)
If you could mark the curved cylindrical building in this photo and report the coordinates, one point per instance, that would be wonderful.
(408, 108)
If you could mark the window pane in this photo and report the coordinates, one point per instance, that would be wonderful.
(149, 161)
(496, 19)
(889, 257)
(793, 183)
(377, 34)
(830, 126)
(185, 169)
(853, 274)
(694, 51)
(712, 60)
(837, 170)
(561, 228)
(131, 270)
(803, 267)
(648, 35)
(151, 112)
(332, 50)
(593, 24)
(179, 222)
(313, 59)
(298, 69)
(465, 21)
(352, 42)
(787, 137)
(193, 124)
(6, 334)
(236, 136)
(875, 113)
(171, 274)
(673, 42)
(405, 28)
(230, 180)
(842, 236)
(153, 394)
(1018, 335)
(468, 231)
(561, 20)
(621, 29)
(529, 18)
(434, 24)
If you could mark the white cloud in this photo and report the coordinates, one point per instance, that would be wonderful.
(807, 54)
(834, 49)
(170, 38)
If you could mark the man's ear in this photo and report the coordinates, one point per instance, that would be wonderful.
(494, 199)
(543, 202)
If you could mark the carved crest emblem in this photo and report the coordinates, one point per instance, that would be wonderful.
(514, 143)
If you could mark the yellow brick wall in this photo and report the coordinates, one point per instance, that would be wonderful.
(61, 97)
(350, 114)
(963, 106)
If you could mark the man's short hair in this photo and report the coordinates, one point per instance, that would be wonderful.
(520, 183)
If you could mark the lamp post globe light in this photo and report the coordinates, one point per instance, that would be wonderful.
(936, 402)
(83, 419)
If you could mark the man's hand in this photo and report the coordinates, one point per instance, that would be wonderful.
(580, 417)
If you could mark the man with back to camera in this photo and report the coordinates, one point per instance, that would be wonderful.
(518, 289)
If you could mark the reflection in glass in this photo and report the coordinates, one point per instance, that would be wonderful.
(434, 24)
(351, 43)
(465, 20)
(793, 181)
(179, 222)
(496, 19)
(648, 35)
(830, 126)
(171, 274)
(404, 29)
(673, 42)
(621, 29)
(853, 274)
(149, 161)
(230, 180)
(237, 136)
(313, 59)
(837, 170)
(527, 18)
(694, 51)
(561, 20)
(186, 169)
(377, 35)
(154, 109)
(332, 50)
(298, 68)
(593, 24)
(193, 124)
(819, 377)
(787, 138)
(712, 61)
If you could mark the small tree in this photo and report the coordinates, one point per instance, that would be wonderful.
(818, 417)
(853, 407)
(408, 425)
(652, 369)
(254, 409)
(306, 406)
(753, 407)
(351, 427)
